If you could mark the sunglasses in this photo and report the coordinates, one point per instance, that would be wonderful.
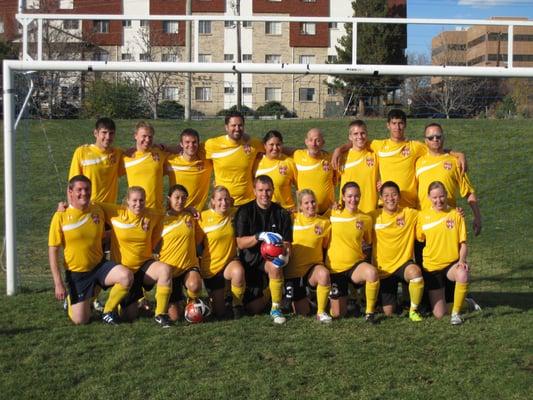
(434, 137)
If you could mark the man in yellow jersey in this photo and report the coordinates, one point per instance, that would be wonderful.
(145, 166)
(360, 165)
(440, 166)
(190, 169)
(257, 221)
(315, 171)
(393, 244)
(233, 159)
(80, 230)
(100, 162)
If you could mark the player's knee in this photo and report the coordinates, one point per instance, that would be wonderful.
(372, 275)
(413, 271)
(461, 276)
(79, 319)
(323, 276)
(125, 278)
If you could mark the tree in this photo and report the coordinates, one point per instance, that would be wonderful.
(121, 99)
(376, 44)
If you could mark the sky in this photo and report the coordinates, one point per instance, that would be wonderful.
(419, 36)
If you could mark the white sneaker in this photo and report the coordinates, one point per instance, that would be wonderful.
(456, 319)
(277, 317)
(324, 318)
(472, 305)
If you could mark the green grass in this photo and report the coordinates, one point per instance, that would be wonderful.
(490, 356)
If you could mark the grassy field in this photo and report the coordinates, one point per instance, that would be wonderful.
(490, 356)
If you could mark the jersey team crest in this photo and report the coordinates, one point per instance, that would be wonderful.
(406, 152)
(282, 169)
(95, 218)
(145, 223)
(155, 157)
(318, 230)
(326, 166)
(200, 165)
(370, 162)
(400, 221)
(359, 225)
(447, 166)
(450, 223)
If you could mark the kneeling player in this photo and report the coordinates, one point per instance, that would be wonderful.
(311, 234)
(351, 230)
(257, 221)
(444, 231)
(80, 231)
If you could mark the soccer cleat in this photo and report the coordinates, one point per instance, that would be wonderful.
(415, 316)
(110, 318)
(456, 319)
(370, 318)
(162, 320)
(277, 317)
(238, 312)
(324, 318)
(472, 305)
(97, 306)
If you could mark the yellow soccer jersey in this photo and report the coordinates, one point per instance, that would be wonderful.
(361, 167)
(397, 163)
(178, 242)
(318, 175)
(233, 163)
(349, 231)
(146, 169)
(194, 175)
(394, 239)
(283, 174)
(80, 233)
(310, 235)
(103, 168)
(443, 168)
(443, 231)
(133, 236)
(219, 242)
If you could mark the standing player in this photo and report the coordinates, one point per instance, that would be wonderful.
(280, 168)
(360, 165)
(190, 169)
(100, 162)
(145, 167)
(440, 166)
(80, 230)
(351, 231)
(394, 237)
(315, 171)
(311, 234)
(443, 229)
(257, 221)
(233, 159)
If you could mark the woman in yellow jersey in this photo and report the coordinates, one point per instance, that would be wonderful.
(351, 232)
(311, 234)
(280, 168)
(219, 262)
(443, 229)
(135, 232)
(177, 248)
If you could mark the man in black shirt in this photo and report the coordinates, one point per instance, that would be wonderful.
(257, 221)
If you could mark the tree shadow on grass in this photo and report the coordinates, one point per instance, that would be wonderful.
(522, 301)
(18, 331)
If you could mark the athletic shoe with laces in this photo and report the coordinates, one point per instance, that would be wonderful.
(456, 319)
(324, 318)
(97, 306)
(370, 318)
(238, 312)
(472, 305)
(110, 318)
(277, 317)
(415, 316)
(162, 320)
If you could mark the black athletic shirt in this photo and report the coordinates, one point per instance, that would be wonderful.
(251, 219)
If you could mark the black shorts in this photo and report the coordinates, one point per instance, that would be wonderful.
(136, 290)
(296, 288)
(216, 282)
(437, 279)
(256, 282)
(178, 283)
(340, 281)
(81, 284)
(388, 287)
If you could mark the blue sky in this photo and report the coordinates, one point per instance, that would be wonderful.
(419, 36)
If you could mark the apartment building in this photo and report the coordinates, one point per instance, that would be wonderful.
(269, 42)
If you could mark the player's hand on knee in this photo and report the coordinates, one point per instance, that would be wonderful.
(269, 237)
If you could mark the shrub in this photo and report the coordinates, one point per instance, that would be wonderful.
(275, 108)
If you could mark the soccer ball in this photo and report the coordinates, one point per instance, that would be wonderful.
(269, 251)
(196, 311)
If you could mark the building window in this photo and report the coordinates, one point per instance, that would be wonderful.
(309, 1)
(126, 24)
(66, 4)
(229, 90)
(273, 28)
(204, 27)
(308, 28)
(169, 57)
(202, 93)
(332, 91)
(145, 57)
(332, 59)
(246, 24)
(71, 24)
(170, 26)
(101, 56)
(75, 92)
(272, 94)
(333, 25)
(273, 59)
(170, 93)
(228, 58)
(204, 58)
(307, 94)
(307, 59)
(229, 24)
(101, 26)
(1, 26)
(144, 23)
(247, 90)
(246, 58)
(126, 57)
